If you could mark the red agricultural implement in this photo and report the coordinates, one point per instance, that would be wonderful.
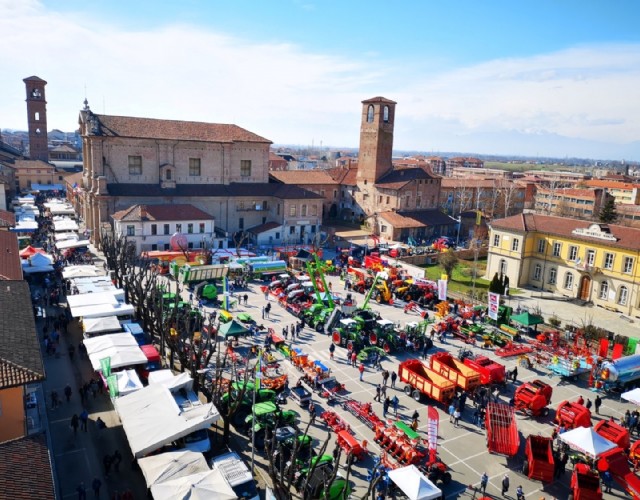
(585, 484)
(415, 307)
(363, 412)
(490, 371)
(614, 432)
(617, 463)
(511, 349)
(571, 415)
(539, 463)
(502, 430)
(335, 421)
(421, 381)
(350, 446)
(532, 398)
(455, 370)
(400, 442)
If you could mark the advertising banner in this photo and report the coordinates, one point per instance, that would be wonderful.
(494, 303)
(442, 289)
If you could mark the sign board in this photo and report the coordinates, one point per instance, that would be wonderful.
(494, 304)
(442, 289)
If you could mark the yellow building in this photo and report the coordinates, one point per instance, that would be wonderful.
(593, 262)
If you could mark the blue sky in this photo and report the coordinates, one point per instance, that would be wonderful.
(547, 78)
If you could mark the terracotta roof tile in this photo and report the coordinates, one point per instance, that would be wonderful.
(10, 265)
(417, 218)
(33, 482)
(610, 184)
(7, 218)
(378, 99)
(32, 164)
(471, 182)
(162, 213)
(399, 177)
(149, 128)
(583, 193)
(302, 177)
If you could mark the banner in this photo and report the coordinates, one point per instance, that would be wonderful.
(494, 304)
(442, 289)
(478, 217)
(112, 382)
(105, 365)
(433, 420)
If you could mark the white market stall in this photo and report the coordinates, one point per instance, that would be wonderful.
(66, 236)
(65, 225)
(66, 244)
(38, 263)
(587, 441)
(92, 299)
(102, 310)
(211, 484)
(633, 396)
(151, 418)
(98, 326)
(172, 382)
(122, 348)
(127, 381)
(172, 465)
(414, 484)
(89, 271)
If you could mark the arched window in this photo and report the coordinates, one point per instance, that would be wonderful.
(167, 174)
(370, 114)
(303, 211)
(503, 266)
(37, 116)
(603, 294)
(568, 281)
(385, 114)
(623, 296)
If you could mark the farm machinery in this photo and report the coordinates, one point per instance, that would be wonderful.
(456, 371)
(532, 398)
(571, 415)
(490, 371)
(539, 463)
(421, 381)
(348, 334)
(502, 430)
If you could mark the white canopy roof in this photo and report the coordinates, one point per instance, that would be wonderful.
(70, 272)
(151, 418)
(101, 325)
(172, 382)
(64, 244)
(205, 485)
(171, 465)
(66, 236)
(89, 299)
(414, 484)
(103, 285)
(102, 310)
(128, 382)
(47, 187)
(122, 348)
(25, 226)
(65, 225)
(633, 396)
(587, 441)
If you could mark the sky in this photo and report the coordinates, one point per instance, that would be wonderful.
(544, 78)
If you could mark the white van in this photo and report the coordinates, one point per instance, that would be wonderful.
(237, 474)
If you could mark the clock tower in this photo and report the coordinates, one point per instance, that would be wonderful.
(37, 118)
(376, 139)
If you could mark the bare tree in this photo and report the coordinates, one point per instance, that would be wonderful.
(509, 193)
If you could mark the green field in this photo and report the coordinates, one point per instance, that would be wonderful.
(521, 167)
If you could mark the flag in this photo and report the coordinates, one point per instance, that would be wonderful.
(112, 382)
(105, 365)
(259, 370)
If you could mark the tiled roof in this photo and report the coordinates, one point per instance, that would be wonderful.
(378, 99)
(263, 228)
(417, 218)
(32, 164)
(161, 213)
(7, 218)
(33, 482)
(33, 79)
(302, 177)
(282, 191)
(584, 193)
(20, 357)
(10, 265)
(473, 183)
(74, 178)
(626, 237)
(399, 177)
(346, 176)
(610, 184)
(149, 128)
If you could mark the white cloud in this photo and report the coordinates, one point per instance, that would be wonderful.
(291, 95)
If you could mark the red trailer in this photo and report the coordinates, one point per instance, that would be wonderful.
(617, 463)
(614, 432)
(455, 370)
(532, 398)
(585, 484)
(421, 380)
(572, 415)
(490, 371)
(502, 430)
(539, 463)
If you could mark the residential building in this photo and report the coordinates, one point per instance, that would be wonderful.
(628, 215)
(151, 227)
(462, 162)
(625, 193)
(319, 182)
(494, 197)
(558, 178)
(64, 152)
(570, 202)
(574, 258)
(481, 173)
(417, 225)
(28, 172)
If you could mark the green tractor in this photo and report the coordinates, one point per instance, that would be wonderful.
(301, 446)
(244, 408)
(267, 416)
(385, 336)
(316, 316)
(319, 485)
(348, 334)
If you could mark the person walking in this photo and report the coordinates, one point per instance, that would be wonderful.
(332, 349)
(484, 480)
(394, 376)
(456, 417)
(67, 393)
(84, 419)
(267, 310)
(588, 404)
(597, 403)
(385, 406)
(263, 310)
(54, 400)
(607, 480)
(96, 484)
(246, 299)
(383, 391)
(74, 423)
(385, 377)
(377, 396)
(312, 413)
(519, 493)
(354, 359)
(395, 401)
(107, 460)
(505, 484)
(361, 370)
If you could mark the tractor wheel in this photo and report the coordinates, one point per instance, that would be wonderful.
(407, 390)
(386, 347)
(525, 467)
(545, 412)
(373, 338)
(417, 395)
(407, 298)
(319, 327)
(336, 338)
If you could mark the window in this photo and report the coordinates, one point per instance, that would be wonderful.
(167, 229)
(388, 200)
(277, 236)
(278, 209)
(178, 228)
(167, 175)
(385, 114)
(608, 261)
(418, 201)
(573, 253)
(383, 228)
(190, 228)
(303, 211)
(379, 199)
(135, 165)
(603, 294)
(131, 230)
(201, 227)
(591, 257)
(623, 296)
(314, 210)
(370, 114)
(335, 194)
(154, 229)
(628, 265)
(241, 223)
(194, 167)
(537, 272)
(541, 246)
(240, 205)
(37, 116)
(515, 244)
(557, 247)
(190, 245)
(245, 168)
(553, 274)
(496, 240)
(292, 211)
(365, 197)
(568, 281)
(292, 229)
(503, 266)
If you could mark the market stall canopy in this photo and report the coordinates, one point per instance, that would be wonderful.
(64, 244)
(587, 441)
(40, 259)
(71, 272)
(211, 484)
(66, 236)
(151, 418)
(65, 225)
(171, 465)
(172, 382)
(94, 326)
(233, 328)
(102, 310)
(92, 299)
(30, 251)
(527, 319)
(127, 381)
(414, 484)
(122, 348)
(632, 396)
(24, 226)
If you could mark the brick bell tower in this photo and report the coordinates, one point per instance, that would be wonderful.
(376, 139)
(37, 118)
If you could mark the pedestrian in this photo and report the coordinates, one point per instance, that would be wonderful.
(394, 376)
(452, 409)
(414, 420)
(312, 413)
(383, 391)
(67, 392)
(285, 332)
(514, 374)
(332, 349)
(505, 484)
(354, 359)
(597, 403)
(395, 401)
(607, 480)
(116, 459)
(95, 485)
(84, 418)
(385, 377)
(266, 293)
(246, 299)
(361, 370)
(385, 406)
(425, 350)
(263, 310)
(519, 493)
(377, 396)
(54, 399)
(74, 423)
(107, 461)
(588, 405)
(267, 310)
(349, 353)
(484, 480)
(100, 424)
(82, 491)
(456, 417)
(71, 349)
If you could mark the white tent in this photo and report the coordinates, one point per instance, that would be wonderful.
(633, 396)
(128, 381)
(91, 299)
(102, 310)
(65, 225)
(122, 348)
(71, 272)
(172, 382)
(204, 485)
(65, 244)
(151, 418)
(94, 326)
(587, 441)
(66, 236)
(414, 484)
(171, 465)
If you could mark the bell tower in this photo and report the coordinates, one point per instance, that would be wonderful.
(376, 139)
(37, 118)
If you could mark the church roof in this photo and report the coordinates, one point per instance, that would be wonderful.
(379, 99)
(397, 178)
